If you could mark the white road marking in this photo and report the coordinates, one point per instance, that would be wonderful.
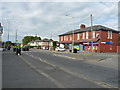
(99, 83)
(59, 85)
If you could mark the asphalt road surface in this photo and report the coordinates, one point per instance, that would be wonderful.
(42, 69)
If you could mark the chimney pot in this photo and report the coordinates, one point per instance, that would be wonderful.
(82, 26)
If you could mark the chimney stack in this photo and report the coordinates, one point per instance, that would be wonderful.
(82, 26)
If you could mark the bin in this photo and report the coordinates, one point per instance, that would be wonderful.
(14, 49)
(74, 50)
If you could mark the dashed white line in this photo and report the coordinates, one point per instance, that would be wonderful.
(103, 84)
(59, 85)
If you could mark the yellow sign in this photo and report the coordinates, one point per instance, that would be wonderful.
(76, 47)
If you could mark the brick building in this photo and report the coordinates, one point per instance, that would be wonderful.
(97, 39)
(1, 32)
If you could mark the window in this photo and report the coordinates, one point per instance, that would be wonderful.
(86, 35)
(109, 34)
(83, 36)
(62, 38)
(78, 36)
(65, 38)
(93, 34)
(70, 37)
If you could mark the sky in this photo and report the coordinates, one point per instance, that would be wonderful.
(50, 19)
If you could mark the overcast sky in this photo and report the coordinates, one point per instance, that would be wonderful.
(48, 19)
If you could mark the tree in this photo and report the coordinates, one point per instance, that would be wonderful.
(5, 44)
(54, 44)
(8, 42)
(27, 39)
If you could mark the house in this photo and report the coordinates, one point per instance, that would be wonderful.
(43, 44)
(97, 38)
(1, 32)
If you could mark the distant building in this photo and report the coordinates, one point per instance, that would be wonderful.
(1, 32)
(102, 39)
(43, 44)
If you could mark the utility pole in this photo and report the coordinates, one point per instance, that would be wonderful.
(16, 36)
(72, 32)
(8, 29)
(73, 36)
(91, 33)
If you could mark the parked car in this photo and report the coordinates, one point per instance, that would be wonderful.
(25, 48)
(60, 49)
(1, 49)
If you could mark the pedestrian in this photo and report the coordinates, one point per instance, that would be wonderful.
(18, 50)
(8, 48)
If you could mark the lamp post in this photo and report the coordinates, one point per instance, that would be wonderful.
(8, 28)
(16, 36)
(91, 33)
(72, 33)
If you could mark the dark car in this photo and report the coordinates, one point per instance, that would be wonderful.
(25, 48)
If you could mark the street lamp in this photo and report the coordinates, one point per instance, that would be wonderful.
(72, 33)
(91, 33)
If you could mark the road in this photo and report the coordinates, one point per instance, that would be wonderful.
(42, 69)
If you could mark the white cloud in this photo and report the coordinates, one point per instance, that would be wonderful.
(60, 0)
(48, 18)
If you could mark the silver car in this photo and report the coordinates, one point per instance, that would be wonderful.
(60, 49)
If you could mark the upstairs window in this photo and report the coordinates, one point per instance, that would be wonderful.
(83, 36)
(93, 34)
(109, 34)
(78, 36)
(67, 38)
(62, 38)
(70, 37)
(86, 35)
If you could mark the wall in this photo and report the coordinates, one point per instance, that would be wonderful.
(104, 38)
(107, 47)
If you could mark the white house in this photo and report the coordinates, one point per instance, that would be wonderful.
(43, 44)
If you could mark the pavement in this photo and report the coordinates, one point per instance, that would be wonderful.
(109, 60)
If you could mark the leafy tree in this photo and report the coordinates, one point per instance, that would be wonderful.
(54, 44)
(8, 42)
(27, 39)
(5, 44)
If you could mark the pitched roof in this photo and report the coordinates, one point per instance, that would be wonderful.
(88, 29)
(44, 40)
